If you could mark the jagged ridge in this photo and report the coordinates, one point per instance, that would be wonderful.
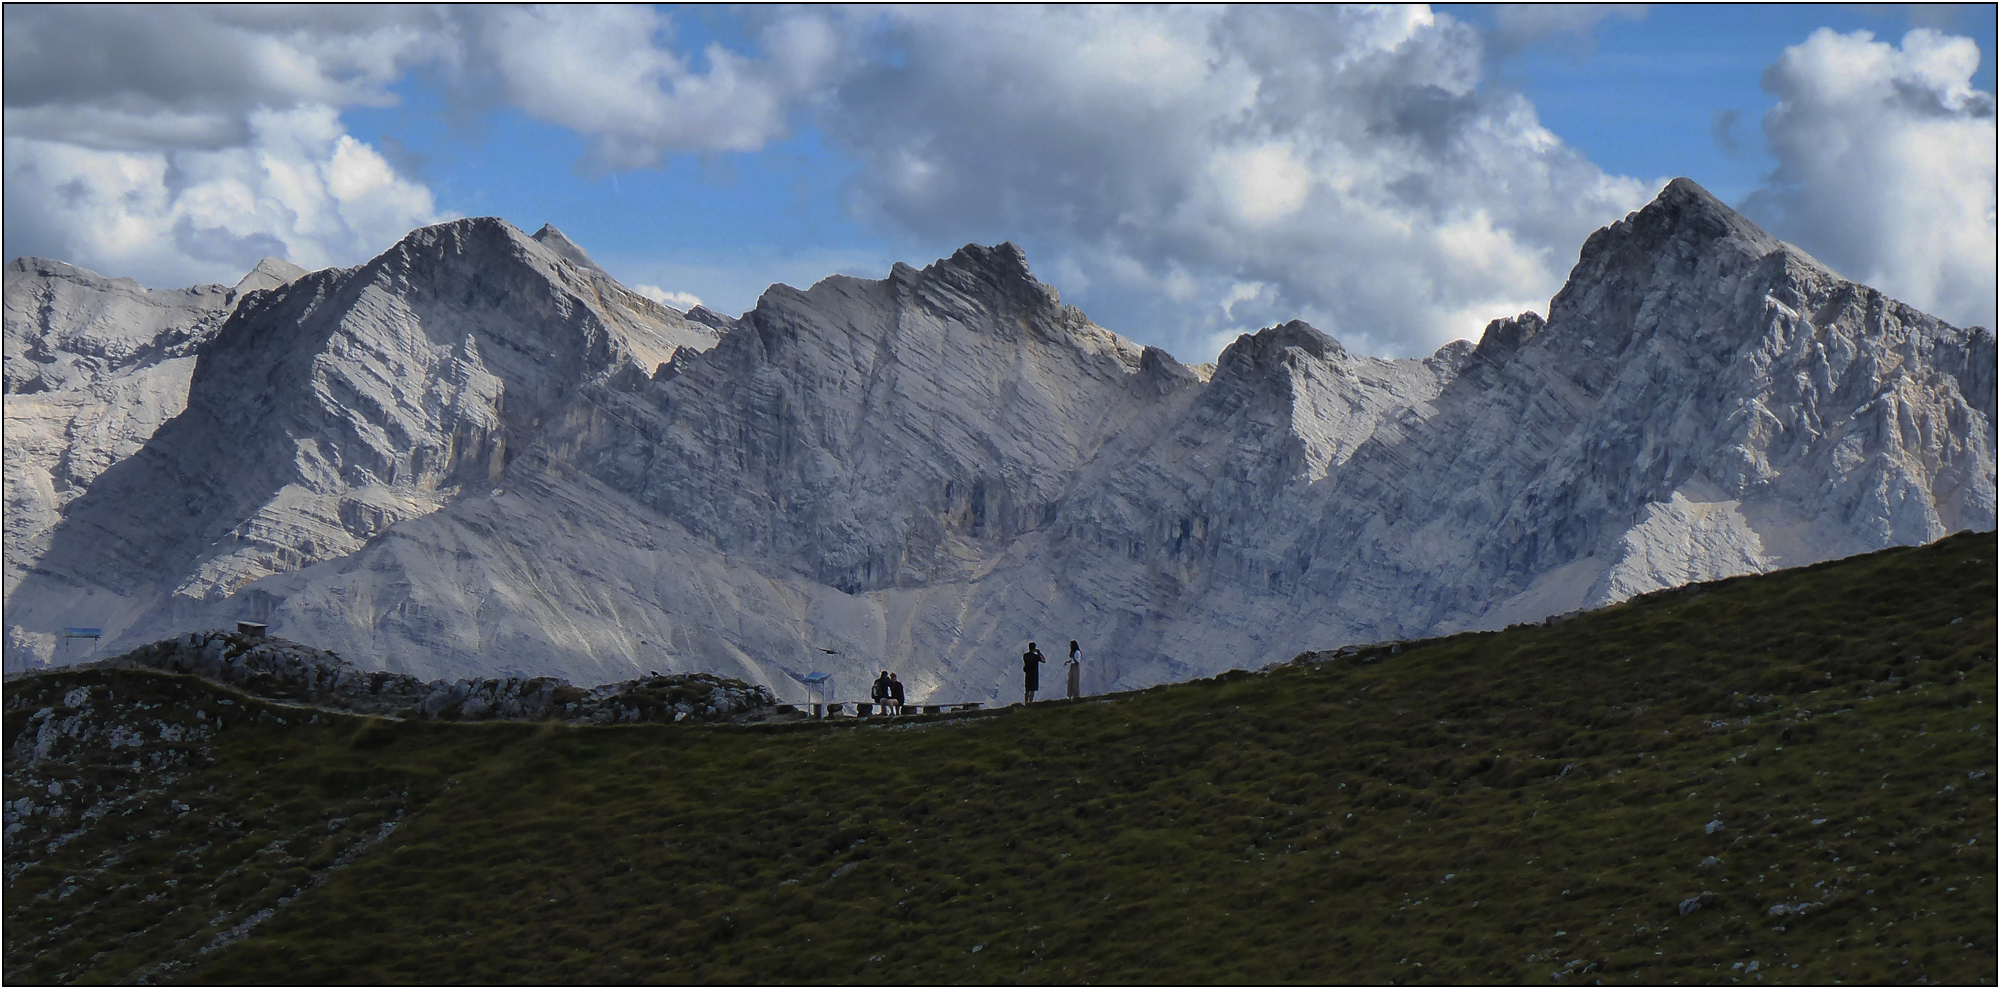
(924, 472)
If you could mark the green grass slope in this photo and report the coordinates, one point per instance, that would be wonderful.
(1533, 805)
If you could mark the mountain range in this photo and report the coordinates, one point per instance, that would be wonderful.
(479, 454)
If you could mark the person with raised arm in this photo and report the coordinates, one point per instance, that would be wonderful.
(1031, 671)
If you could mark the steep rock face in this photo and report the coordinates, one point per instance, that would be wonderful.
(1200, 523)
(877, 434)
(68, 328)
(94, 365)
(332, 407)
(1714, 402)
(832, 476)
(924, 472)
(1702, 401)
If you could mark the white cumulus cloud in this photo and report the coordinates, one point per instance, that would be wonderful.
(181, 143)
(298, 187)
(683, 301)
(1348, 159)
(611, 73)
(1886, 166)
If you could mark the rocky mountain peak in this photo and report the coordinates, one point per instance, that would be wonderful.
(477, 242)
(710, 318)
(1005, 259)
(68, 327)
(1505, 336)
(486, 262)
(269, 273)
(566, 249)
(1684, 206)
(1683, 221)
(51, 268)
(458, 237)
(1304, 336)
(998, 276)
(1685, 248)
(1263, 352)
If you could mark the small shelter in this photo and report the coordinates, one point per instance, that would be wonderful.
(819, 690)
(95, 635)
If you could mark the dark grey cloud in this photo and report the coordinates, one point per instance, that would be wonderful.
(1722, 127)
(122, 77)
(238, 252)
(167, 76)
(1518, 26)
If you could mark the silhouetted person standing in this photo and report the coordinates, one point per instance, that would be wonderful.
(1031, 671)
(1075, 664)
(896, 692)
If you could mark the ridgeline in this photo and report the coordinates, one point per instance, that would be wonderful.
(1777, 779)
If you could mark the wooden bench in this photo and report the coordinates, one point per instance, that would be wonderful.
(864, 709)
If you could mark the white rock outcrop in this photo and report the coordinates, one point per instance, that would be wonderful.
(480, 456)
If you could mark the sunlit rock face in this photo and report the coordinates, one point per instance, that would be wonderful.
(478, 454)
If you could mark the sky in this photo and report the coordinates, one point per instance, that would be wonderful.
(1398, 176)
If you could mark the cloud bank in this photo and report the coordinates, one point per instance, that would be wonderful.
(1215, 170)
(179, 145)
(1886, 166)
(1185, 174)
(298, 187)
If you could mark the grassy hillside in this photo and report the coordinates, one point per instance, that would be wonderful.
(1525, 806)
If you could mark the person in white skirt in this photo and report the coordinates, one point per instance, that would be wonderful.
(1075, 670)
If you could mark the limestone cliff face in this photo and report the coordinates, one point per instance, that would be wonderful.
(882, 434)
(325, 410)
(93, 366)
(1705, 400)
(479, 455)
